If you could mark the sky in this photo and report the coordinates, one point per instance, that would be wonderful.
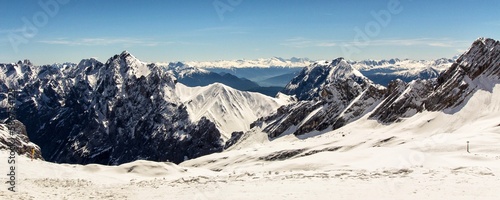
(56, 31)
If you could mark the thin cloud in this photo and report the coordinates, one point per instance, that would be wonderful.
(298, 42)
(327, 44)
(105, 42)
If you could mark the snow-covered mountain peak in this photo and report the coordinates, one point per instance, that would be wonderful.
(89, 62)
(483, 56)
(84, 64)
(318, 78)
(182, 70)
(485, 43)
(484, 40)
(127, 64)
(342, 70)
(14, 74)
(477, 68)
(231, 110)
(25, 62)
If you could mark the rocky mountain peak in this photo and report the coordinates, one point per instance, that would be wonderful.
(483, 57)
(341, 70)
(24, 62)
(85, 66)
(89, 62)
(322, 79)
(475, 69)
(128, 65)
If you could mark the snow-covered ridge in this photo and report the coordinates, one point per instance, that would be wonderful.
(261, 62)
(402, 67)
(396, 63)
(400, 63)
(231, 110)
(181, 70)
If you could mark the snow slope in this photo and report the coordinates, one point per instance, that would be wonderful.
(230, 109)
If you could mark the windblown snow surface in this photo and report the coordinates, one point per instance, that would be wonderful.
(422, 157)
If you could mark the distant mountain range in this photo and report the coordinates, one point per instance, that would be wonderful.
(384, 71)
(192, 76)
(250, 75)
(261, 63)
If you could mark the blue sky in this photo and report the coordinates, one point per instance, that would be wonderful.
(204, 30)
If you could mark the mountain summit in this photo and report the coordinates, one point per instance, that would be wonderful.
(319, 79)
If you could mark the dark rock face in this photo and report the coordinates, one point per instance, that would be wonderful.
(403, 100)
(480, 63)
(306, 85)
(287, 118)
(321, 80)
(235, 137)
(20, 142)
(367, 101)
(111, 113)
(335, 94)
